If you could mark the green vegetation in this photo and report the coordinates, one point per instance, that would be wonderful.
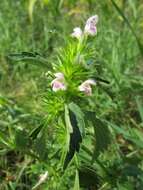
(66, 139)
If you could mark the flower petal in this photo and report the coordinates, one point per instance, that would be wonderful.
(86, 87)
(57, 85)
(77, 33)
(90, 82)
(93, 19)
(59, 75)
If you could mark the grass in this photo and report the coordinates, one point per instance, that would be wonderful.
(23, 84)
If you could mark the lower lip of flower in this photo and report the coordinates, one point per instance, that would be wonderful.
(88, 91)
(57, 85)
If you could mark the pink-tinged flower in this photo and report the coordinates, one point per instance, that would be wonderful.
(86, 87)
(58, 82)
(90, 27)
(57, 85)
(77, 33)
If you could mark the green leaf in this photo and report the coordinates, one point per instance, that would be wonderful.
(68, 131)
(79, 116)
(40, 146)
(46, 1)
(76, 184)
(31, 57)
(131, 170)
(21, 139)
(102, 137)
(101, 134)
(4, 140)
(120, 130)
(34, 133)
(74, 138)
(140, 107)
(67, 120)
(30, 8)
(88, 177)
(126, 186)
(132, 135)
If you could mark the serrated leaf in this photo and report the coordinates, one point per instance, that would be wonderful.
(79, 116)
(101, 134)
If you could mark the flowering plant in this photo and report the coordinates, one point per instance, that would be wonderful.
(77, 133)
(70, 98)
(80, 105)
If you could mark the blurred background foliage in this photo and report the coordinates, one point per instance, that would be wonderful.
(42, 27)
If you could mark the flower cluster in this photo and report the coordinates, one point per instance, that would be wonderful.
(59, 83)
(89, 29)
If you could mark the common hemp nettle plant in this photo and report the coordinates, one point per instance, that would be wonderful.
(73, 82)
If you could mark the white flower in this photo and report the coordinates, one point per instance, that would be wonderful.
(58, 82)
(90, 27)
(86, 87)
(77, 33)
